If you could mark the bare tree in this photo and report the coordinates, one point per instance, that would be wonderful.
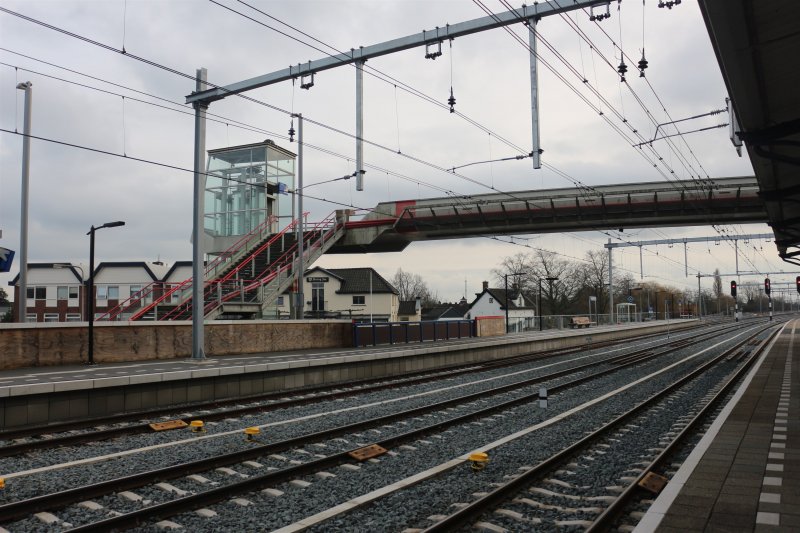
(519, 270)
(557, 296)
(592, 277)
(411, 286)
(717, 287)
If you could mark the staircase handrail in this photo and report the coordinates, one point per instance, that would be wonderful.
(227, 256)
(260, 249)
(141, 294)
(324, 229)
(255, 234)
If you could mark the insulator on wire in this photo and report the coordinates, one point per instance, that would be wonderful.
(452, 101)
(642, 65)
(431, 53)
(291, 131)
(622, 69)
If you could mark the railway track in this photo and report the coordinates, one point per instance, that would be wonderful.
(315, 466)
(44, 437)
(594, 446)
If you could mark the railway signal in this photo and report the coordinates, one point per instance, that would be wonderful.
(766, 286)
(733, 287)
(798, 283)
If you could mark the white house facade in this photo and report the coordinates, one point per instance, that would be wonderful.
(492, 302)
(358, 293)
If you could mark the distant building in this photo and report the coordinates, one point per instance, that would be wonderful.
(409, 311)
(446, 311)
(358, 293)
(56, 292)
(493, 302)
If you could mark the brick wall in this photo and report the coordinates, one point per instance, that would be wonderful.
(27, 345)
(490, 326)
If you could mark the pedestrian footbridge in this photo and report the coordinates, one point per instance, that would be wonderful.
(248, 278)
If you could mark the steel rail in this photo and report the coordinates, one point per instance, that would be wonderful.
(604, 521)
(16, 510)
(502, 493)
(208, 497)
(365, 386)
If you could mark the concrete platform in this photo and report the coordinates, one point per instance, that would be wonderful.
(745, 473)
(44, 395)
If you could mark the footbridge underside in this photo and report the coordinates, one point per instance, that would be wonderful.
(394, 225)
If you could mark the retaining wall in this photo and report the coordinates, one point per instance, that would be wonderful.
(61, 401)
(29, 345)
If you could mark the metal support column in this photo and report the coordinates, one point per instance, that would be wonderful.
(359, 125)
(301, 221)
(23, 223)
(610, 287)
(736, 248)
(198, 272)
(536, 149)
(699, 298)
(685, 261)
(641, 264)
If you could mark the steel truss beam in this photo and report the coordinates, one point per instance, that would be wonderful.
(363, 53)
(685, 240)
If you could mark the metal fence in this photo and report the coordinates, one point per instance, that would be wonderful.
(375, 333)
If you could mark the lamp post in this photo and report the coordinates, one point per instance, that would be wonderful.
(541, 327)
(83, 281)
(90, 292)
(506, 295)
(23, 225)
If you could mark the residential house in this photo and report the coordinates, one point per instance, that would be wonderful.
(494, 302)
(447, 311)
(409, 311)
(358, 293)
(56, 292)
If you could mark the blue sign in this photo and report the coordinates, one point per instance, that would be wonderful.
(282, 188)
(6, 258)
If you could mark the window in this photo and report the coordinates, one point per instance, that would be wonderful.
(67, 293)
(102, 292)
(135, 290)
(36, 293)
(491, 300)
(30, 317)
(279, 301)
(113, 292)
(51, 317)
(359, 300)
(73, 317)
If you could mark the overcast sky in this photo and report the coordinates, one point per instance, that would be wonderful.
(71, 189)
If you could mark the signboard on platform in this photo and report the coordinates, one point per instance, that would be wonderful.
(6, 258)
(313, 279)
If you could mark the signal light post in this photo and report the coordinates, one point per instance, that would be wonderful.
(767, 290)
(735, 302)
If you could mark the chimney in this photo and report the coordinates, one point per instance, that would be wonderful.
(485, 285)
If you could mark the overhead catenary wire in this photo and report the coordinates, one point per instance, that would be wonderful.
(213, 118)
(574, 70)
(323, 125)
(465, 196)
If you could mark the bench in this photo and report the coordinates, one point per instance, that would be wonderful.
(580, 322)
